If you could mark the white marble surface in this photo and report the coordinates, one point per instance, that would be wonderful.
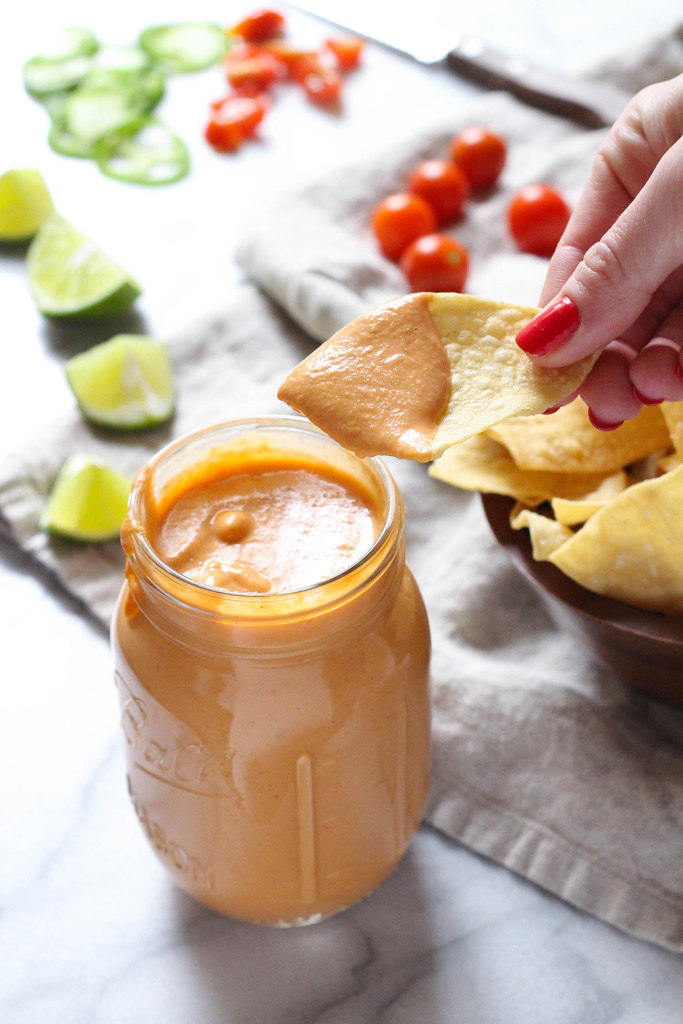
(91, 931)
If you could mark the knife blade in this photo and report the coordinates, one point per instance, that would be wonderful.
(587, 101)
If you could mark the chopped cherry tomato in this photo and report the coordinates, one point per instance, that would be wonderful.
(399, 219)
(347, 51)
(251, 69)
(443, 185)
(537, 216)
(480, 154)
(233, 121)
(302, 64)
(322, 85)
(259, 26)
(298, 62)
(435, 263)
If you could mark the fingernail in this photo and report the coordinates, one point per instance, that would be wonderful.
(551, 409)
(602, 424)
(549, 329)
(643, 400)
(679, 370)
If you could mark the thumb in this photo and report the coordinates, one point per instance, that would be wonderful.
(618, 289)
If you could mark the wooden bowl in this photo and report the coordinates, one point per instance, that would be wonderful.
(645, 649)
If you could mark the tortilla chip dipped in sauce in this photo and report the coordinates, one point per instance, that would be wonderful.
(423, 372)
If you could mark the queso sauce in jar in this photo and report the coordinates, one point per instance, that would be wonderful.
(271, 655)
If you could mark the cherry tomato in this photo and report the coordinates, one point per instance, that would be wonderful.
(259, 26)
(537, 216)
(399, 219)
(443, 185)
(233, 120)
(435, 263)
(298, 62)
(251, 69)
(480, 154)
(322, 85)
(347, 51)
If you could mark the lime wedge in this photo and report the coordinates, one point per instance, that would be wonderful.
(125, 383)
(70, 276)
(88, 501)
(24, 204)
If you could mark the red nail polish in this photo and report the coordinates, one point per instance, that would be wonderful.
(643, 400)
(679, 370)
(549, 329)
(602, 424)
(551, 409)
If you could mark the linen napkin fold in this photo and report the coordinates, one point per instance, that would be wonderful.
(543, 761)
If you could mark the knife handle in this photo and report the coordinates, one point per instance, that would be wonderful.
(594, 104)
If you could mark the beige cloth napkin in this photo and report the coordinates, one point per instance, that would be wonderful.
(543, 761)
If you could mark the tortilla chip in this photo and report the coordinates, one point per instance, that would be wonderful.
(567, 441)
(491, 378)
(632, 548)
(573, 512)
(615, 530)
(669, 462)
(482, 464)
(424, 372)
(546, 534)
(673, 417)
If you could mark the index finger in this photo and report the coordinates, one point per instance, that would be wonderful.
(622, 165)
(603, 200)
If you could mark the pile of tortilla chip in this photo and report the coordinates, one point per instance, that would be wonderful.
(604, 507)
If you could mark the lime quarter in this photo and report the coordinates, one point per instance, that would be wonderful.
(25, 204)
(71, 277)
(88, 501)
(125, 383)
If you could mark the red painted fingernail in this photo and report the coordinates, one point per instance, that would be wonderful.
(643, 400)
(602, 424)
(679, 370)
(549, 329)
(551, 409)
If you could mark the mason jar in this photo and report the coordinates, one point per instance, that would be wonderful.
(277, 743)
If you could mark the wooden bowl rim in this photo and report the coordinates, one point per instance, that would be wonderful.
(622, 617)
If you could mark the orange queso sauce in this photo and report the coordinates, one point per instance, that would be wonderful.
(271, 653)
(264, 523)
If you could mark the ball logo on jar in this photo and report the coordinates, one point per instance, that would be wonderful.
(189, 766)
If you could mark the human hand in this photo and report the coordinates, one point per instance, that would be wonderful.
(615, 281)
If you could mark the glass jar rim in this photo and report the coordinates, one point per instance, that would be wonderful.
(358, 573)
